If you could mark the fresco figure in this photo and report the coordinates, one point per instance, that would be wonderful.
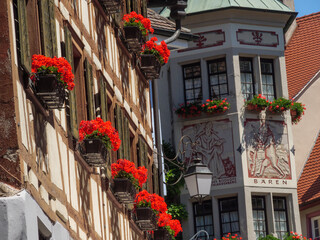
(210, 148)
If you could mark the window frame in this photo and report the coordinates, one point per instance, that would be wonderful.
(268, 60)
(217, 74)
(265, 212)
(202, 215)
(286, 212)
(184, 82)
(220, 212)
(252, 74)
(312, 227)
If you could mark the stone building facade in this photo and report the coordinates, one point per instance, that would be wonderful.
(239, 53)
(47, 190)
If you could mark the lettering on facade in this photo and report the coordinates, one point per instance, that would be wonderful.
(267, 150)
(257, 38)
(270, 181)
(207, 39)
(215, 147)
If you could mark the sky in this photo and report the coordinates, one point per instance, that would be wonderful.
(305, 7)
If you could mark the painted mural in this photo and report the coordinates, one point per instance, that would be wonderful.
(267, 149)
(214, 145)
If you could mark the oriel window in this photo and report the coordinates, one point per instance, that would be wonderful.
(247, 80)
(259, 216)
(280, 216)
(218, 81)
(267, 75)
(192, 82)
(229, 216)
(203, 219)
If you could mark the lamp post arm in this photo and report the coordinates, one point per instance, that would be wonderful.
(196, 235)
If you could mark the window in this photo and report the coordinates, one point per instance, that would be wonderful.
(192, 83)
(218, 81)
(280, 216)
(203, 219)
(268, 86)
(229, 216)
(247, 80)
(259, 216)
(315, 222)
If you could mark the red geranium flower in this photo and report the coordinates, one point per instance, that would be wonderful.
(137, 20)
(58, 66)
(160, 51)
(97, 128)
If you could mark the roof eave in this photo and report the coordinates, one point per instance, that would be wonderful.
(169, 33)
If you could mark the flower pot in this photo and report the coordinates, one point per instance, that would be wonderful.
(162, 234)
(111, 6)
(50, 91)
(133, 38)
(94, 152)
(124, 190)
(146, 219)
(150, 66)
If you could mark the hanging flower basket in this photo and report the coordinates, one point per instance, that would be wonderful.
(127, 178)
(94, 152)
(150, 66)
(153, 56)
(111, 6)
(135, 28)
(124, 190)
(49, 90)
(296, 111)
(96, 137)
(162, 234)
(146, 218)
(133, 38)
(50, 77)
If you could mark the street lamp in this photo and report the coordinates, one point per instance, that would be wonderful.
(197, 175)
(198, 178)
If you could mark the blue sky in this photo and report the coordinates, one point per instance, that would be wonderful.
(305, 7)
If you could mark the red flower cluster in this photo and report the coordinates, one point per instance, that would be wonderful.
(165, 220)
(189, 110)
(125, 168)
(57, 66)
(154, 201)
(160, 51)
(97, 128)
(134, 19)
(215, 106)
(229, 236)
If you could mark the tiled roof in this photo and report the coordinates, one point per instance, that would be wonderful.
(197, 6)
(162, 23)
(303, 53)
(309, 182)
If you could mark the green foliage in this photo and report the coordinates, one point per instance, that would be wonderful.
(268, 237)
(104, 138)
(280, 105)
(258, 101)
(178, 211)
(172, 176)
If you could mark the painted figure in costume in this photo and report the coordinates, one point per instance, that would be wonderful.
(210, 148)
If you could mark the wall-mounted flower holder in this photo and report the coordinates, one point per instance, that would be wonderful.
(133, 38)
(150, 66)
(146, 218)
(111, 6)
(124, 190)
(162, 234)
(93, 152)
(50, 91)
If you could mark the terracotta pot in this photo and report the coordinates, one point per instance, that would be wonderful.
(94, 152)
(50, 91)
(124, 190)
(146, 219)
(251, 107)
(293, 113)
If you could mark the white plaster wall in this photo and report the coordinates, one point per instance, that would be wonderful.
(53, 155)
(64, 166)
(305, 133)
(73, 182)
(85, 14)
(95, 206)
